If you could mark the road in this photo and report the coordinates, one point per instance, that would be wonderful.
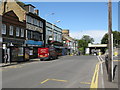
(65, 72)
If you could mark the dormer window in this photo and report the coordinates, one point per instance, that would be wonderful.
(29, 8)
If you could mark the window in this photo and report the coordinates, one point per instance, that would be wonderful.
(41, 24)
(3, 29)
(28, 34)
(27, 18)
(17, 31)
(37, 23)
(31, 34)
(31, 21)
(31, 9)
(22, 32)
(11, 30)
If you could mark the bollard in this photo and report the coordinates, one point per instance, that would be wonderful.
(114, 71)
(106, 62)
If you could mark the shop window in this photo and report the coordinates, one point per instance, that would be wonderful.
(11, 30)
(3, 29)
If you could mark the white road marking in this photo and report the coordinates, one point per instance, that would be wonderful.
(101, 69)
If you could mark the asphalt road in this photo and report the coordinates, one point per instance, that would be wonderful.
(65, 72)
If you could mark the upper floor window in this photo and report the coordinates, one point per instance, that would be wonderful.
(22, 32)
(35, 21)
(41, 24)
(31, 9)
(29, 34)
(3, 28)
(11, 30)
(32, 20)
(17, 31)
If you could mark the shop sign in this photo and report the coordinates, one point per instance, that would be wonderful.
(14, 41)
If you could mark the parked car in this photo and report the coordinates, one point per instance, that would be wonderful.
(47, 53)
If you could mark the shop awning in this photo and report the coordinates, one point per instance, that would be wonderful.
(32, 42)
(59, 47)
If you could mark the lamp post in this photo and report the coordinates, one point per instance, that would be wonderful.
(110, 41)
(49, 14)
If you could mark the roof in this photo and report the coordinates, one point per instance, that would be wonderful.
(21, 4)
(97, 45)
(68, 37)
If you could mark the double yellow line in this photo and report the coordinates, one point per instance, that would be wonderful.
(94, 82)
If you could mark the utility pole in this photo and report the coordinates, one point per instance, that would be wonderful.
(109, 41)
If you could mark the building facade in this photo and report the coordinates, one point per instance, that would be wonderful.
(53, 33)
(70, 44)
(13, 35)
(35, 29)
(35, 25)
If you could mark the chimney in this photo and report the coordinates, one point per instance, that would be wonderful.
(36, 12)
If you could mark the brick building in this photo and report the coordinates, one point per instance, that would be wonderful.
(13, 37)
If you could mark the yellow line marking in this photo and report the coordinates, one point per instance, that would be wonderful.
(85, 82)
(94, 82)
(45, 81)
(116, 60)
(12, 67)
(53, 80)
(59, 80)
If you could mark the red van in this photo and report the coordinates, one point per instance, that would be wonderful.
(47, 53)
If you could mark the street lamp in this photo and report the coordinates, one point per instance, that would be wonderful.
(53, 24)
(49, 14)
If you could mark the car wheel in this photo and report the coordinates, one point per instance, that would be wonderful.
(41, 59)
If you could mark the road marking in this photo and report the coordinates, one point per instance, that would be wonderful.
(53, 80)
(85, 82)
(101, 61)
(59, 80)
(45, 81)
(94, 82)
(101, 58)
(116, 60)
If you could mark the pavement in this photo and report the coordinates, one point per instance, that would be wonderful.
(105, 82)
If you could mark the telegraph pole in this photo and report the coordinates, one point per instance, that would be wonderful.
(110, 41)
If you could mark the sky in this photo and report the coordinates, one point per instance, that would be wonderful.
(81, 18)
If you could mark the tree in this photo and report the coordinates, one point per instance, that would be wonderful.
(83, 43)
(88, 39)
(116, 38)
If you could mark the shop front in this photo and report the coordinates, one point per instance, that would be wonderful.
(31, 49)
(13, 50)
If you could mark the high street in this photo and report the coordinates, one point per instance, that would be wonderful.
(65, 72)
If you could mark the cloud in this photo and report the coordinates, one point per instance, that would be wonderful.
(96, 34)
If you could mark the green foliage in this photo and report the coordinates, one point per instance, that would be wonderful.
(87, 39)
(83, 42)
(116, 38)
